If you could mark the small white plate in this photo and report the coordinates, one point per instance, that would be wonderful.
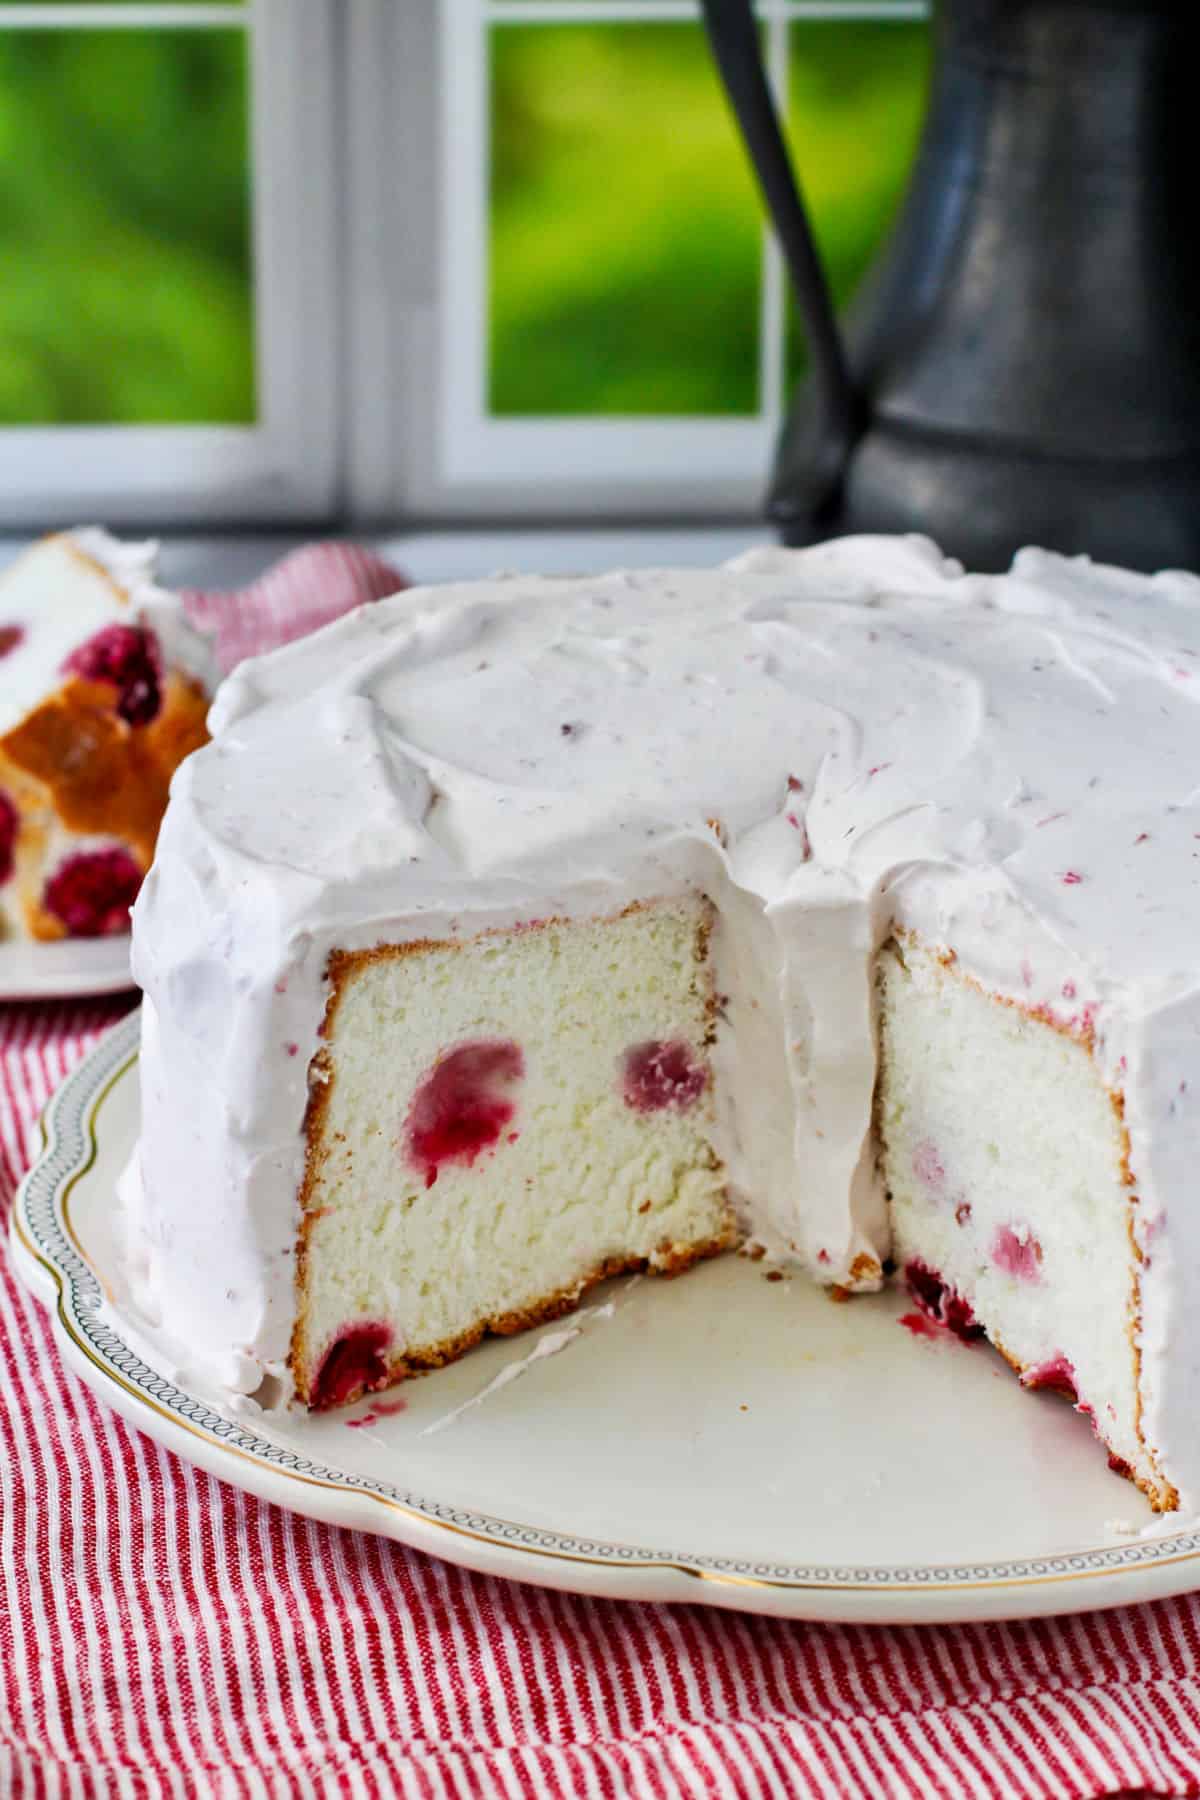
(71, 969)
(720, 1438)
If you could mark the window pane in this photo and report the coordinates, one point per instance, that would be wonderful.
(124, 228)
(857, 98)
(625, 242)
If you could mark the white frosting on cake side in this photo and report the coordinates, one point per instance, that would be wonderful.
(826, 742)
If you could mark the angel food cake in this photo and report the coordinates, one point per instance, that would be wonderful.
(835, 903)
(103, 690)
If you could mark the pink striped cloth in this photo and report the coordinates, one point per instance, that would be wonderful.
(305, 589)
(161, 1634)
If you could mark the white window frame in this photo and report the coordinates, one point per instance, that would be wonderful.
(285, 466)
(369, 144)
(615, 463)
(422, 441)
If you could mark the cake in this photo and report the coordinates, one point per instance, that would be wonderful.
(836, 904)
(103, 690)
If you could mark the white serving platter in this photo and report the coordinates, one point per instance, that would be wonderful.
(720, 1438)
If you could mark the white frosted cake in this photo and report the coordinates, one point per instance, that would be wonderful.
(103, 689)
(834, 903)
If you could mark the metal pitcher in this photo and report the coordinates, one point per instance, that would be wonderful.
(1022, 364)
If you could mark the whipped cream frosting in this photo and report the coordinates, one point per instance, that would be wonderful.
(827, 742)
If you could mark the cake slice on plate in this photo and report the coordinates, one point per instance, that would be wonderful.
(104, 689)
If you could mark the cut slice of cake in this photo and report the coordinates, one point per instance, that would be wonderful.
(1013, 1204)
(494, 1125)
(103, 690)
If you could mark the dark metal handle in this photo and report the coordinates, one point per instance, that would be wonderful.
(733, 35)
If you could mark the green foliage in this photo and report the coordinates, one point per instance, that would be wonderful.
(124, 228)
(625, 252)
(857, 98)
(625, 242)
(625, 246)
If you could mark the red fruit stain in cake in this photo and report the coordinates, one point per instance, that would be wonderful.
(10, 637)
(1071, 878)
(927, 1164)
(92, 893)
(382, 1409)
(462, 1106)
(795, 785)
(1017, 1252)
(797, 824)
(878, 769)
(1056, 1376)
(292, 1049)
(822, 1256)
(940, 1304)
(9, 826)
(660, 1077)
(920, 1326)
(1143, 837)
(962, 1212)
(128, 658)
(354, 1363)
(1068, 990)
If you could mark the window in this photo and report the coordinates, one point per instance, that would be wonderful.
(267, 259)
(166, 322)
(615, 329)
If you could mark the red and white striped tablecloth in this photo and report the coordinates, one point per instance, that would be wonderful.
(161, 1634)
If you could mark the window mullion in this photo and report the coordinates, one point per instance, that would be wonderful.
(295, 164)
(127, 16)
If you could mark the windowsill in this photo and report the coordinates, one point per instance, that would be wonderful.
(463, 555)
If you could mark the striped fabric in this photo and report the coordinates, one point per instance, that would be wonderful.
(305, 589)
(163, 1635)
